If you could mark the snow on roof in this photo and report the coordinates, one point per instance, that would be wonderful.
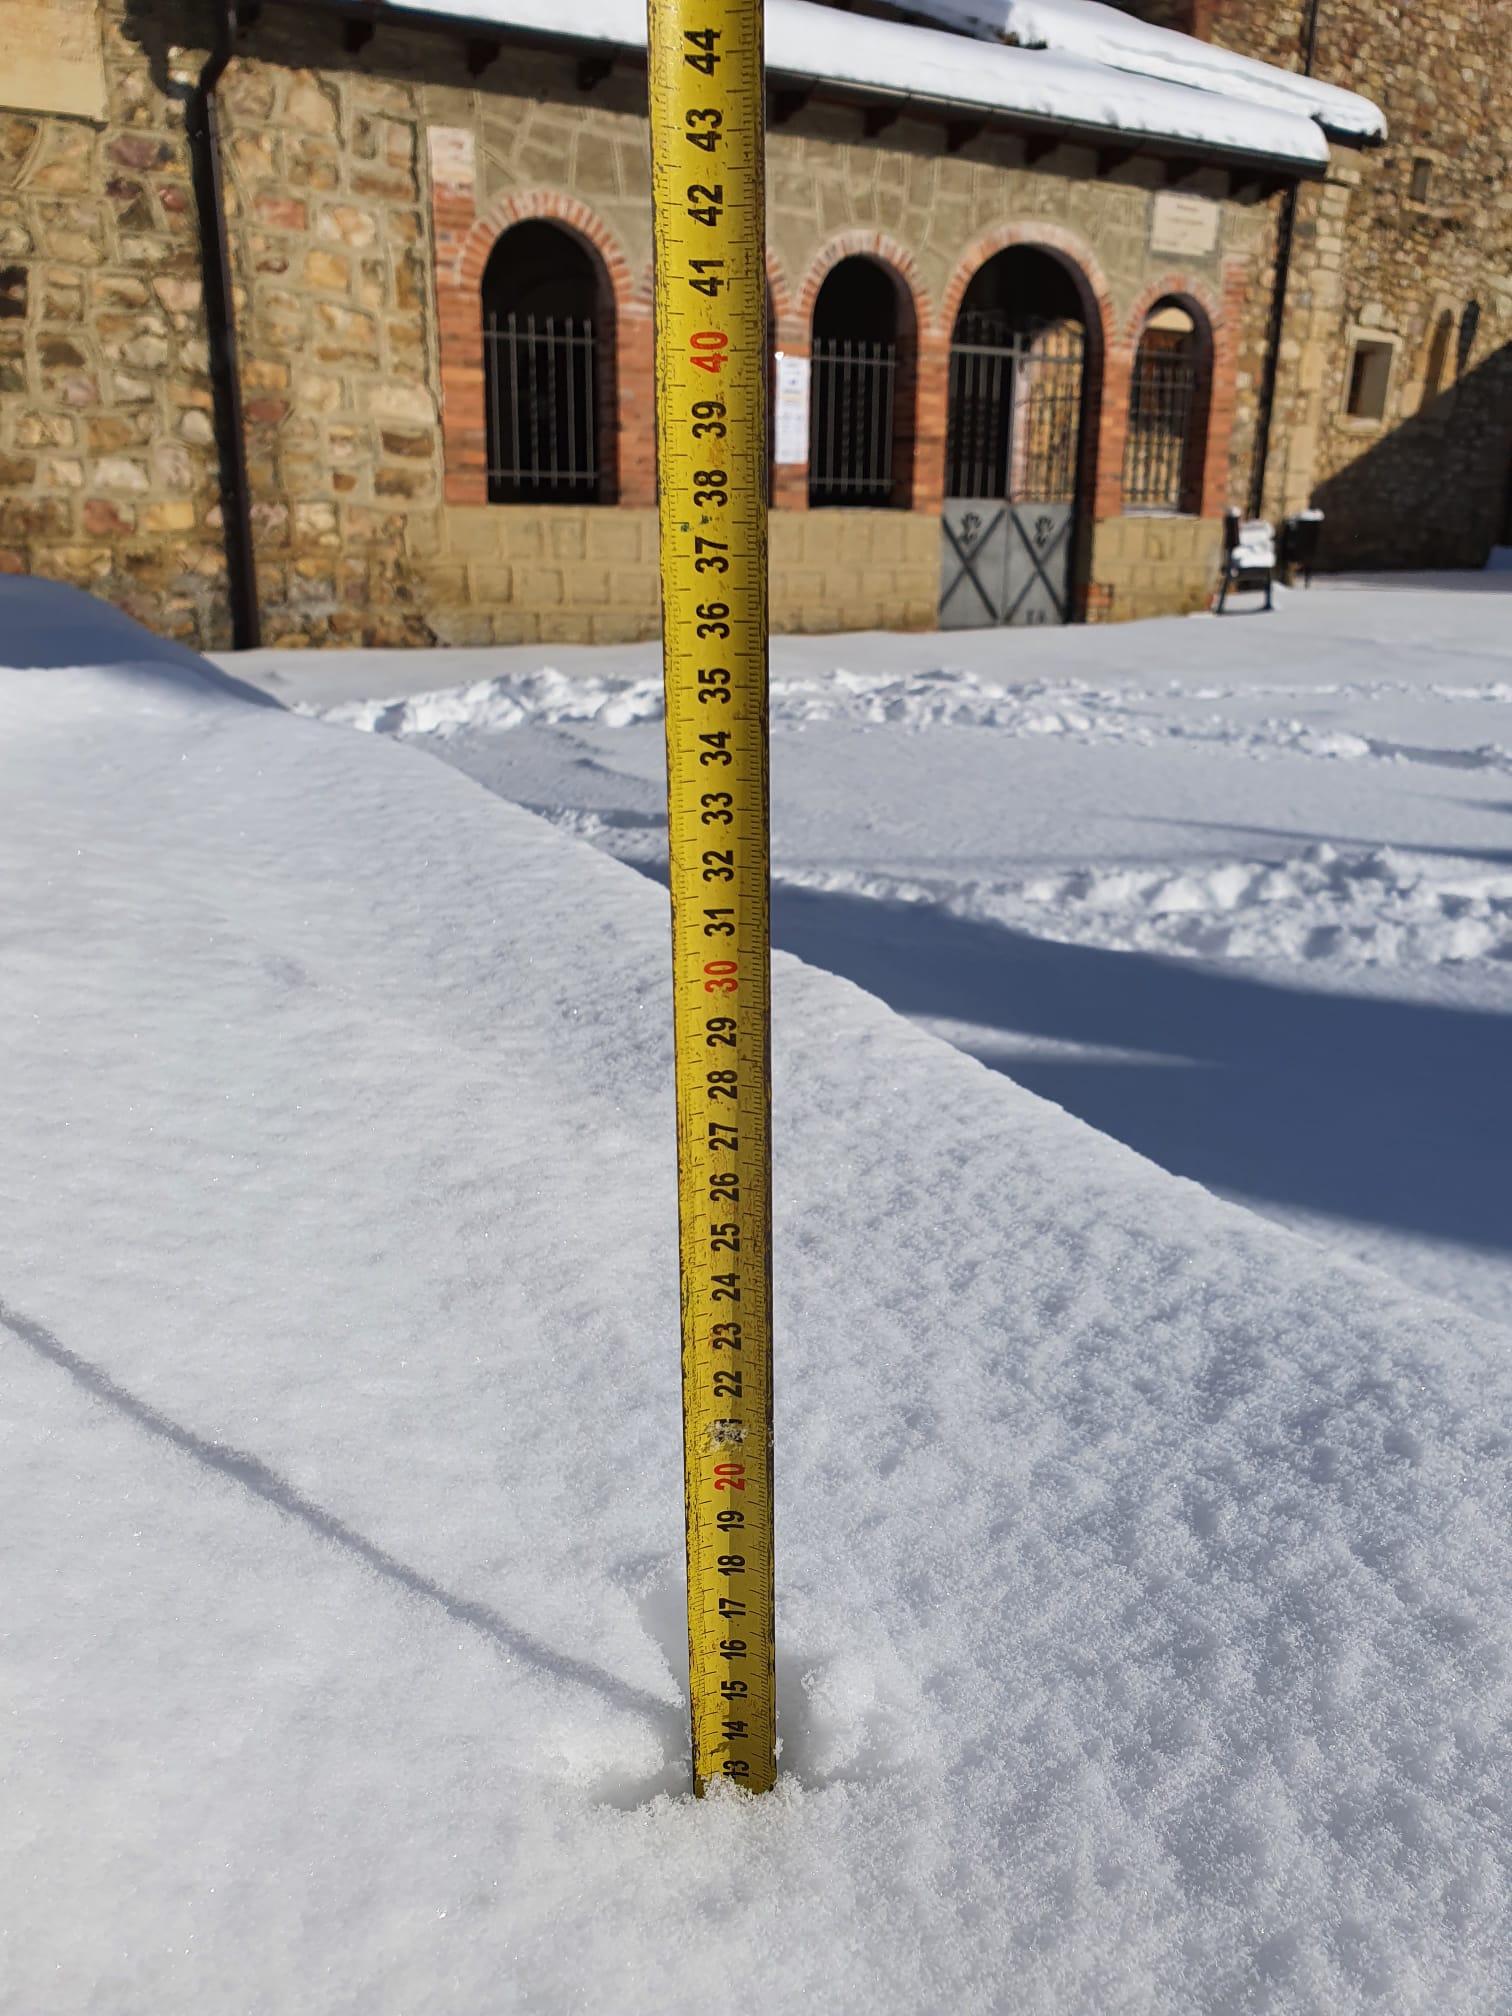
(1102, 34)
(930, 66)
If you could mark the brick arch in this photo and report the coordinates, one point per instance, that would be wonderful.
(1215, 402)
(465, 241)
(1178, 287)
(543, 206)
(1073, 252)
(874, 245)
(790, 328)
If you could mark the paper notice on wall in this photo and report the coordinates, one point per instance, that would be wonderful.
(791, 431)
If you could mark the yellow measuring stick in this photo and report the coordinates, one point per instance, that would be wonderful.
(707, 119)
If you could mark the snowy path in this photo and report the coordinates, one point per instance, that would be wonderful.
(1293, 831)
(1145, 1625)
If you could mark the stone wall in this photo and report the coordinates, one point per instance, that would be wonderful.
(107, 466)
(345, 197)
(1426, 484)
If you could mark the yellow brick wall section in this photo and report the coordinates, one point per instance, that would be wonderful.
(513, 574)
(1154, 566)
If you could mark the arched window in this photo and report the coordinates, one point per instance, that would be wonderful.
(861, 363)
(1163, 451)
(548, 324)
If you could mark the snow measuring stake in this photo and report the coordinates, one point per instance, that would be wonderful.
(707, 119)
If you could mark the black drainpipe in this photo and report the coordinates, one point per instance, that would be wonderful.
(1286, 232)
(220, 322)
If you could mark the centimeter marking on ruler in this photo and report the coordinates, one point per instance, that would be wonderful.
(707, 114)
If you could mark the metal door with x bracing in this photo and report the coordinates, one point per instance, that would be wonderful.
(1010, 508)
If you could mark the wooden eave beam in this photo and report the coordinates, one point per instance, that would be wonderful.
(356, 35)
(480, 54)
(592, 70)
(877, 118)
(788, 104)
(961, 132)
(1111, 159)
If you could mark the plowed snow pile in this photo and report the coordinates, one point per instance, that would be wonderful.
(1145, 1573)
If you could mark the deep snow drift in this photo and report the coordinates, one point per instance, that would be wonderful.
(1290, 829)
(1144, 1573)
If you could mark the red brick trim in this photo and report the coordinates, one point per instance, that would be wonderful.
(1075, 254)
(866, 245)
(464, 243)
(1180, 287)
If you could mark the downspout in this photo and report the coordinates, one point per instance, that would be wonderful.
(1286, 232)
(220, 322)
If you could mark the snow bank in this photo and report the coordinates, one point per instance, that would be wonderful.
(1361, 907)
(808, 40)
(938, 697)
(1106, 35)
(1145, 1627)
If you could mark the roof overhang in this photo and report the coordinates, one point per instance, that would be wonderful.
(1181, 154)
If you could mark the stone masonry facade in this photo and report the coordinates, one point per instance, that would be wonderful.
(365, 189)
(1407, 246)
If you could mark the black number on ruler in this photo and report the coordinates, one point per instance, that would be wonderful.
(724, 1289)
(703, 40)
(706, 205)
(717, 806)
(708, 419)
(722, 1030)
(724, 1239)
(726, 1337)
(710, 559)
(726, 1385)
(703, 123)
(723, 1137)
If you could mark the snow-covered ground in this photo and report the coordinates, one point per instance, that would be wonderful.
(1144, 1618)
(1291, 830)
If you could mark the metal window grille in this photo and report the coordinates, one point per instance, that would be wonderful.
(542, 410)
(1157, 453)
(851, 422)
(1015, 410)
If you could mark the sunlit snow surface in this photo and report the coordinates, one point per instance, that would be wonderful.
(1294, 827)
(1144, 1571)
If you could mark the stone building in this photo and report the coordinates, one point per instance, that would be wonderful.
(1393, 393)
(1016, 307)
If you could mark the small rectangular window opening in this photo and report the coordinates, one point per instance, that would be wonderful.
(1369, 374)
(1422, 179)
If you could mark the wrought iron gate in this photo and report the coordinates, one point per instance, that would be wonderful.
(1010, 472)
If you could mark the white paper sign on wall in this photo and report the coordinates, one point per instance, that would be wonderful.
(791, 443)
